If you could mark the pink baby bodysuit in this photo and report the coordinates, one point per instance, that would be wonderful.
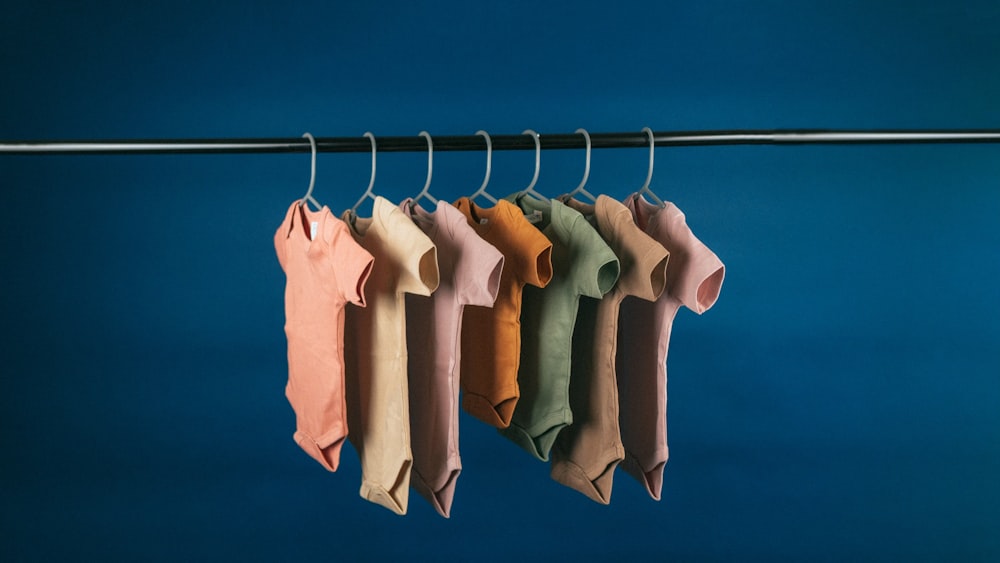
(694, 279)
(469, 274)
(324, 270)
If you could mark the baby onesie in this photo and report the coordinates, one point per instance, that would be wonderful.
(694, 280)
(582, 264)
(469, 271)
(375, 341)
(491, 338)
(587, 452)
(324, 270)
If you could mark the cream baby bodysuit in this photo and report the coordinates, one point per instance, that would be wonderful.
(376, 354)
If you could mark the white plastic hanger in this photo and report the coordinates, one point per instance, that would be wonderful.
(312, 177)
(489, 167)
(368, 192)
(530, 190)
(644, 190)
(430, 169)
(580, 190)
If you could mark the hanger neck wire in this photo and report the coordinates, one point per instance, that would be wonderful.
(481, 192)
(530, 190)
(581, 190)
(308, 198)
(425, 192)
(645, 190)
(371, 183)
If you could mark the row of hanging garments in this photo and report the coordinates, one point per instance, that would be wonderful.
(551, 315)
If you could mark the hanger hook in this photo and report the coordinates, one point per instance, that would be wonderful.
(652, 153)
(586, 170)
(312, 176)
(538, 161)
(430, 170)
(649, 174)
(371, 183)
(489, 168)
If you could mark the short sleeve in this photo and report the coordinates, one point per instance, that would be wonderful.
(351, 263)
(414, 252)
(534, 254)
(597, 267)
(651, 270)
(700, 280)
(702, 283)
(477, 274)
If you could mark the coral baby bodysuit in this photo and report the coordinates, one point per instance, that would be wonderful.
(582, 264)
(587, 452)
(324, 270)
(375, 342)
(694, 279)
(469, 271)
(491, 338)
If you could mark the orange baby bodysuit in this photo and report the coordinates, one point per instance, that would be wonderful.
(375, 342)
(491, 337)
(324, 270)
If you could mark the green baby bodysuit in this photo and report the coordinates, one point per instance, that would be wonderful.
(582, 264)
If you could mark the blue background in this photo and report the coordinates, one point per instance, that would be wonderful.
(840, 402)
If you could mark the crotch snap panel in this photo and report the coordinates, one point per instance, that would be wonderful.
(496, 414)
(597, 488)
(537, 444)
(394, 496)
(325, 450)
(652, 479)
(440, 498)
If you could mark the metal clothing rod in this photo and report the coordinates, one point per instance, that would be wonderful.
(502, 142)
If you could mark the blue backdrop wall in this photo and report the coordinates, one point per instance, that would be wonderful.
(840, 402)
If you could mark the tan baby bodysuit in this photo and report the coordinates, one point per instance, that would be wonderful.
(587, 452)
